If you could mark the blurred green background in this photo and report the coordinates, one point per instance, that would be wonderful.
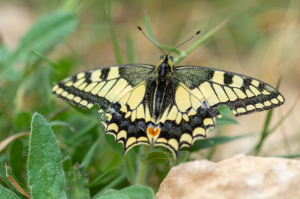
(260, 39)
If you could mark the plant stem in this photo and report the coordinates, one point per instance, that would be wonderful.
(142, 170)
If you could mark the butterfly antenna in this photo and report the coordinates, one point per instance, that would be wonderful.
(185, 41)
(150, 40)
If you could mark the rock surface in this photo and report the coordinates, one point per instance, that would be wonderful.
(239, 177)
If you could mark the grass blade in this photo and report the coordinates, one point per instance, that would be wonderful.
(56, 66)
(130, 50)
(88, 157)
(16, 160)
(4, 178)
(111, 185)
(118, 53)
(102, 176)
(151, 36)
(45, 172)
(200, 41)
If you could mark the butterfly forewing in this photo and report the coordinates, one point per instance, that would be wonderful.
(240, 93)
(101, 86)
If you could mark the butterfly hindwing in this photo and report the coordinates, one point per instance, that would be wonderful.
(129, 116)
(185, 119)
(242, 94)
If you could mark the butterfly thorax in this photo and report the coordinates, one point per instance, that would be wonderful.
(164, 68)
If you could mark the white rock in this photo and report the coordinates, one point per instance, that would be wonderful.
(245, 177)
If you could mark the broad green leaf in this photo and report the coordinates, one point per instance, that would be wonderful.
(45, 172)
(224, 110)
(132, 192)
(182, 156)
(138, 191)
(226, 116)
(7, 194)
(225, 120)
(99, 178)
(7, 182)
(109, 192)
(17, 163)
(77, 184)
(210, 142)
(157, 157)
(115, 196)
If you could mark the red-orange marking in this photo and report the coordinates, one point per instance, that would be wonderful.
(153, 132)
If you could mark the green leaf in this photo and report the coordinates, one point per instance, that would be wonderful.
(224, 110)
(115, 196)
(51, 63)
(157, 157)
(210, 142)
(7, 182)
(102, 176)
(137, 192)
(132, 192)
(76, 186)
(17, 163)
(182, 156)
(7, 194)
(109, 192)
(225, 120)
(45, 172)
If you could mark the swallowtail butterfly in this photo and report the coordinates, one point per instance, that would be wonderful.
(163, 104)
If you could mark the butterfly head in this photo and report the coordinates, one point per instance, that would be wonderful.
(164, 68)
